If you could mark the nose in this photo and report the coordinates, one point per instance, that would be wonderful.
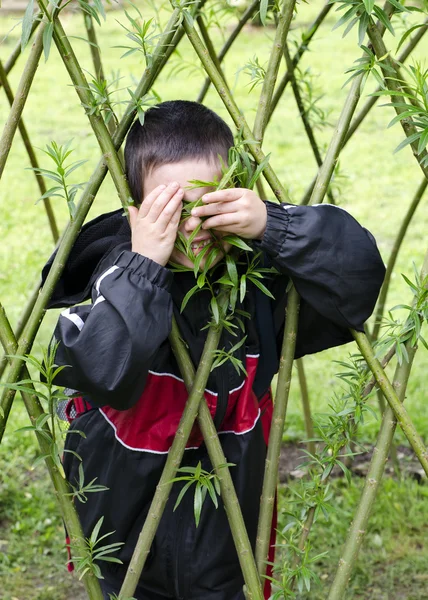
(191, 223)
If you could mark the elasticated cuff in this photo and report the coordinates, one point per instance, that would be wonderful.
(275, 235)
(145, 267)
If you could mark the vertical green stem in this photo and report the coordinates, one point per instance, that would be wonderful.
(388, 391)
(393, 257)
(326, 171)
(96, 59)
(21, 97)
(275, 437)
(31, 155)
(217, 457)
(69, 514)
(263, 108)
(303, 115)
(22, 320)
(304, 393)
(307, 37)
(248, 13)
(360, 520)
(209, 45)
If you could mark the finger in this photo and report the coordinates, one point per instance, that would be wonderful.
(215, 208)
(175, 219)
(173, 207)
(224, 195)
(221, 221)
(162, 200)
(133, 215)
(148, 201)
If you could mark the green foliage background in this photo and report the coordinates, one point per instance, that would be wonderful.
(377, 190)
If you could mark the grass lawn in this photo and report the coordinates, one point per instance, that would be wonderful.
(377, 188)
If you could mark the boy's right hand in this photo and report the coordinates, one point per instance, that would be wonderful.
(154, 226)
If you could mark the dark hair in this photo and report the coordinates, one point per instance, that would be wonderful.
(173, 131)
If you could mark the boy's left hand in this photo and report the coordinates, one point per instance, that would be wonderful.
(237, 210)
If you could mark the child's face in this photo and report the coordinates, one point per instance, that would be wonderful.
(183, 172)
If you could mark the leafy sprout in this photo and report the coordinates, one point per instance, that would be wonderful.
(59, 154)
(415, 90)
(81, 490)
(255, 71)
(143, 35)
(204, 481)
(95, 553)
(44, 390)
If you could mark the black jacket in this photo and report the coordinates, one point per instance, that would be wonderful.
(121, 362)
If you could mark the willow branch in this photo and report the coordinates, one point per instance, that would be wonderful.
(366, 109)
(32, 156)
(377, 465)
(277, 428)
(307, 37)
(21, 97)
(218, 460)
(310, 516)
(68, 511)
(393, 85)
(304, 393)
(303, 115)
(161, 54)
(373, 99)
(390, 395)
(326, 170)
(209, 45)
(233, 110)
(393, 257)
(265, 100)
(173, 461)
(22, 321)
(249, 12)
(96, 59)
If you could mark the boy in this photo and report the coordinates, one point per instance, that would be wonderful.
(122, 364)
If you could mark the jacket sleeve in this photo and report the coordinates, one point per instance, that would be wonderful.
(109, 344)
(334, 264)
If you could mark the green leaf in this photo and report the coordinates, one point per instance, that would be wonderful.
(243, 288)
(261, 287)
(264, 4)
(96, 530)
(27, 23)
(412, 138)
(187, 297)
(231, 269)
(197, 505)
(369, 5)
(258, 171)
(423, 141)
(47, 39)
(407, 33)
(383, 18)
(234, 240)
(215, 311)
